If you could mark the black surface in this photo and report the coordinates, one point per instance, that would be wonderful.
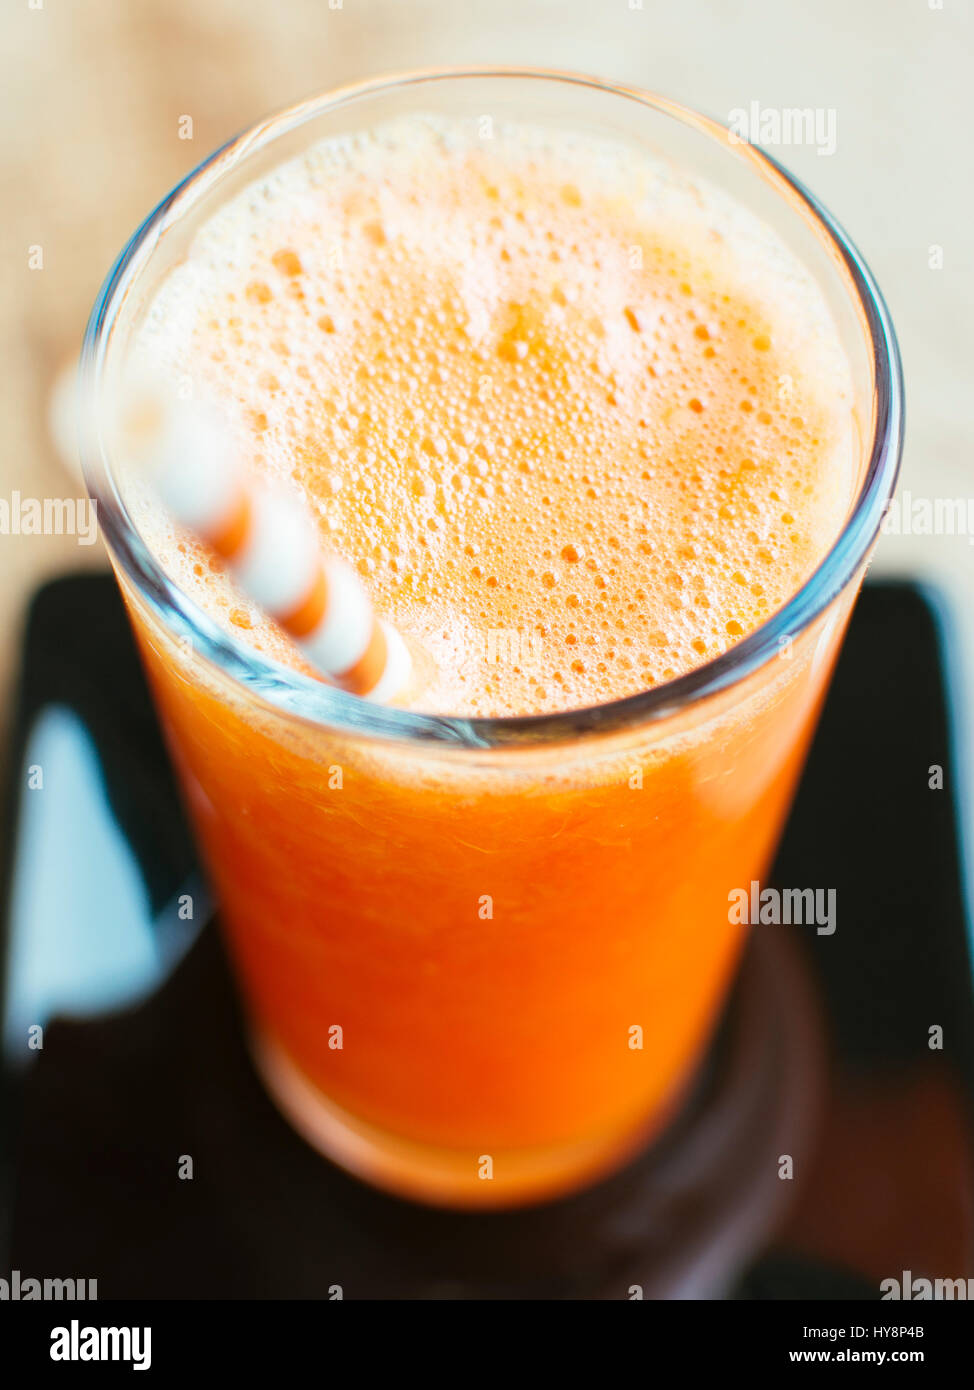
(265, 1216)
(111, 1106)
(78, 652)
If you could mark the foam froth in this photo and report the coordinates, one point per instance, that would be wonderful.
(579, 423)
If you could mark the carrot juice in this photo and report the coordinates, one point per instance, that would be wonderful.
(582, 423)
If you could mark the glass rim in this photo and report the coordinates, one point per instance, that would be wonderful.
(297, 696)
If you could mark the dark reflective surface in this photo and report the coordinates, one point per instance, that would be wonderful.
(98, 1120)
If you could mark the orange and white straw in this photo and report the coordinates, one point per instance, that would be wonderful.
(265, 535)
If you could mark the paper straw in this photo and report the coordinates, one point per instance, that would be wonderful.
(266, 536)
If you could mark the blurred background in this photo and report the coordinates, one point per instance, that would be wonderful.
(95, 98)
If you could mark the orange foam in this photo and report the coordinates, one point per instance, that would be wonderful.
(573, 444)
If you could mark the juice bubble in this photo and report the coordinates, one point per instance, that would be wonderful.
(456, 355)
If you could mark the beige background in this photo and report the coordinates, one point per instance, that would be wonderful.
(93, 90)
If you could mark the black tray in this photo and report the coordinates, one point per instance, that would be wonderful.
(96, 1124)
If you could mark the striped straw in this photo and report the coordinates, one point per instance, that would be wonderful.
(264, 533)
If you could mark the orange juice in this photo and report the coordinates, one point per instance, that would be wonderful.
(582, 425)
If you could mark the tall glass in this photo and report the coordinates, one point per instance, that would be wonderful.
(481, 957)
